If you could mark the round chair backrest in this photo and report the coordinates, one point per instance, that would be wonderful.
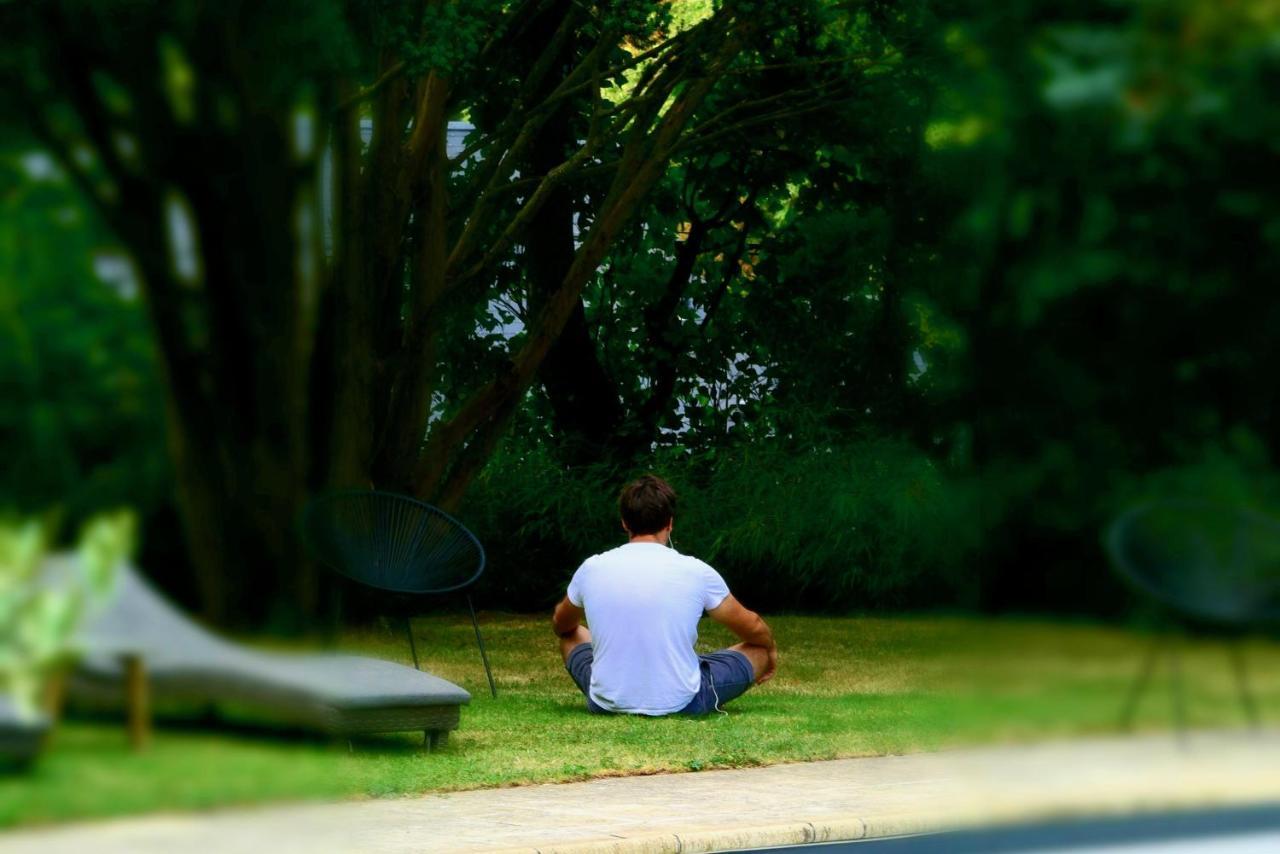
(1207, 560)
(391, 542)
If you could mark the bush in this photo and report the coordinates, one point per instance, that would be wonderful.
(1236, 471)
(38, 621)
(866, 524)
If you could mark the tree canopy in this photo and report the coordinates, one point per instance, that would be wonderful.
(312, 286)
(907, 297)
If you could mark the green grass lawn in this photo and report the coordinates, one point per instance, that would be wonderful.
(846, 687)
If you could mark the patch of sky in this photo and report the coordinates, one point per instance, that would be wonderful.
(184, 254)
(920, 366)
(1085, 67)
(116, 270)
(304, 132)
(40, 166)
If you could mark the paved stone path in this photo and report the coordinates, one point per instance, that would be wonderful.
(724, 810)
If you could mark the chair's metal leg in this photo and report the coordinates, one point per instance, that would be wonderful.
(1242, 682)
(480, 642)
(333, 619)
(1175, 686)
(1139, 684)
(413, 647)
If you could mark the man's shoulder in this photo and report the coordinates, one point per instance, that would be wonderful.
(621, 555)
(599, 557)
(695, 562)
(603, 558)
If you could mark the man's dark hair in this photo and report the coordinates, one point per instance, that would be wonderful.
(647, 504)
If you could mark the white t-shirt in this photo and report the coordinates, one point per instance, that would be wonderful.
(643, 603)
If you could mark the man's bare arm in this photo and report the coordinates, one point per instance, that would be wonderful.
(567, 618)
(743, 622)
(753, 631)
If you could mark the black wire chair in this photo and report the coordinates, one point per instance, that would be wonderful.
(1205, 564)
(396, 544)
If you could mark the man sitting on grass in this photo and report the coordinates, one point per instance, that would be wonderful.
(643, 601)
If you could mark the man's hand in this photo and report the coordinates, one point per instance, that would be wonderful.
(567, 624)
(771, 668)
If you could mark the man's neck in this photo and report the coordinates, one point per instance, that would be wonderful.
(650, 538)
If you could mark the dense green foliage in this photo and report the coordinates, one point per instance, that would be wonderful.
(910, 349)
(868, 525)
(82, 420)
(846, 687)
(1118, 254)
(1041, 255)
(319, 254)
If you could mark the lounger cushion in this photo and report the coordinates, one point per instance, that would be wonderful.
(185, 661)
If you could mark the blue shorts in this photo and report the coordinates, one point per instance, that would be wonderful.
(725, 674)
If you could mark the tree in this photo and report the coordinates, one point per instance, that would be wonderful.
(1042, 251)
(1098, 173)
(315, 294)
(701, 320)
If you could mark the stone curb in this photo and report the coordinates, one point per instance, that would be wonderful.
(849, 828)
(830, 829)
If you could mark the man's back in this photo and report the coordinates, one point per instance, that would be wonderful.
(643, 602)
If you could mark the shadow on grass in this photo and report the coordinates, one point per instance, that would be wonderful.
(221, 723)
(577, 709)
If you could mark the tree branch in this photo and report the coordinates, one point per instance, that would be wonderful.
(411, 381)
(490, 400)
(476, 454)
(501, 170)
(105, 203)
(871, 61)
(694, 142)
(362, 95)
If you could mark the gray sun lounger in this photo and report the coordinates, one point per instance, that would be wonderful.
(187, 664)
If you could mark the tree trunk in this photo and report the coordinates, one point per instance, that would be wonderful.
(586, 408)
(242, 442)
